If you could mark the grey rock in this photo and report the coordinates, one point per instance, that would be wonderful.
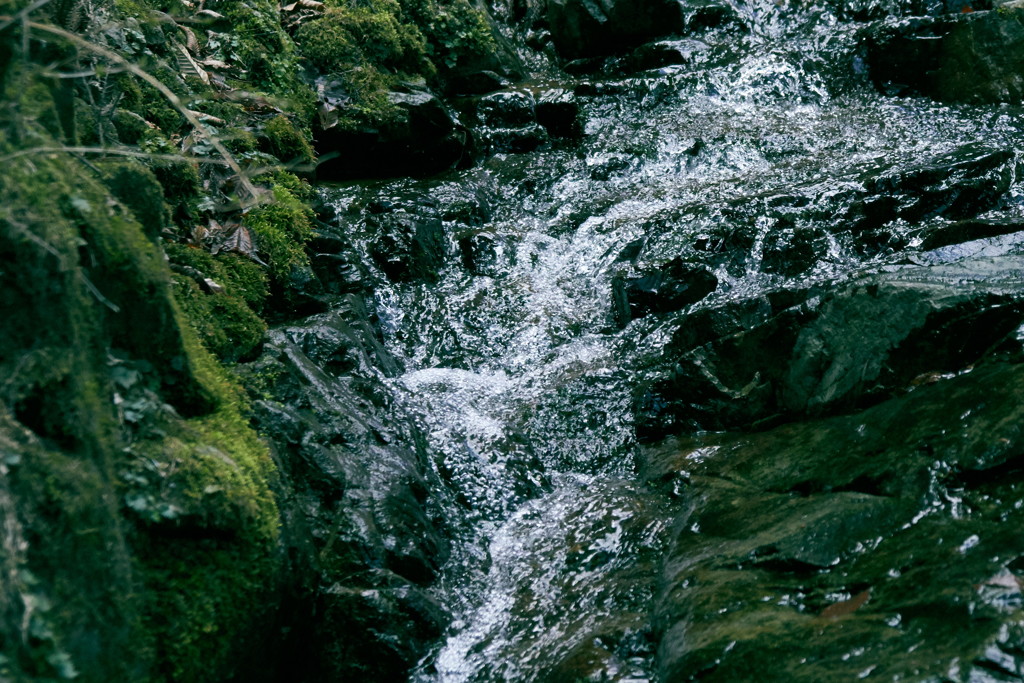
(838, 349)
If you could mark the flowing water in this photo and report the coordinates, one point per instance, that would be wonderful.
(522, 382)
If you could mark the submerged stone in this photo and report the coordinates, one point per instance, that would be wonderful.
(559, 111)
(408, 247)
(672, 287)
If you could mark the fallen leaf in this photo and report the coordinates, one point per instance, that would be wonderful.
(239, 241)
(211, 286)
(190, 67)
(846, 607)
(303, 4)
(215, 64)
(191, 42)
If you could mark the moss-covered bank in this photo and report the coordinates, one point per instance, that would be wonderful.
(130, 472)
(153, 217)
(141, 537)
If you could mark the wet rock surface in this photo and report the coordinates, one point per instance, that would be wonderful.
(582, 29)
(877, 544)
(670, 288)
(970, 57)
(359, 525)
(726, 253)
(425, 138)
(868, 338)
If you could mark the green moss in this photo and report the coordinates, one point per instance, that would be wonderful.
(148, 103)
(57, 408)
(459, 32)
(240, 276)
(287, 142)
(371, 46)
(245, 279)
(454, 30)
(225, 323)
(137, 187)
(228, 322)
(180, 180)
(110, 403)
(203, 494)
(281, 229)
(239, 140)
(129, 126)
(373, 33)
(37, 104)
(298, 187)
(92, 126)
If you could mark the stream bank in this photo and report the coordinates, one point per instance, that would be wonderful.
(685, 347)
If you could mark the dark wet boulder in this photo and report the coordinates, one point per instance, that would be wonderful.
(663, 53)
(955, 186)
(969, 230)
(483, 252)
(336, 262)
(478, 68)
(383, 629)
(355, 491)
(880, 544)
(407, 246)
(299, 294)
(791, 250)
(476, 83)
(837, 349)
(344, 341)
(467, 201)
(506, 109)
(582, 29)
(975, 57)
(506, 121)
(672, 287)
(424, 138)
(559, 112)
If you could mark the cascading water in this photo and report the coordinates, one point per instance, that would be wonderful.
(520, 379)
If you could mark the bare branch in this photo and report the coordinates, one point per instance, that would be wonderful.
(23, 13)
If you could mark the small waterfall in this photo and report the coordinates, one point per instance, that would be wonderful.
(526, 387)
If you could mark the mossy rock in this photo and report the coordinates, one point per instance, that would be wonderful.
(286, 142)
(282, 227)
(239, 275)
(102, 373)
(136, 187)
(376, 34)
(367, 51)
(225, 323)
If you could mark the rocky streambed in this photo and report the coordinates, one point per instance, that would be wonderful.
(707, 367)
